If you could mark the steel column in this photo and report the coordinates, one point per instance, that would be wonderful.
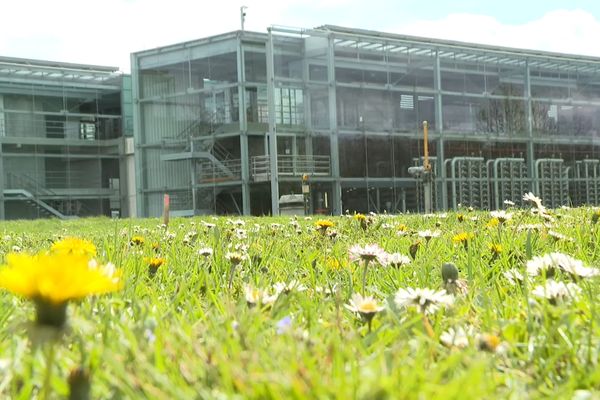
(439, 124)
(139, 135)
(272, 126)
(244, 157)
(336, 188)
(531, 170)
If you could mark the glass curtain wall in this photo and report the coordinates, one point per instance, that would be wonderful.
(188, 100)
(384, 91)
(69, 160)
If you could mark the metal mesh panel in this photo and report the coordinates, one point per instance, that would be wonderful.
(509, 180)
(469, 182)
(553, 181)
(585, 187)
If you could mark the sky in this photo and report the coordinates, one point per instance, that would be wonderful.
(106, 32)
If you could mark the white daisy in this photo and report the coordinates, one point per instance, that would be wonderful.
(501, 215)
(426, 301)
(396, 260)
(458, 337)
(513, 276)
(366, 306)
(235, 257)
(205, 252)
(258, 296)
(530, 197)
(428, 234)
(370, 252)
(294, 285)
(557, 292)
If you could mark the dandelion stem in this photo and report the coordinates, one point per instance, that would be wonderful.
(364, 278)
(427, 326)
(48, 376)
(231, 272)
(470, 265)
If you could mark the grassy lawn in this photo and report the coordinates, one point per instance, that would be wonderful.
(307, 308)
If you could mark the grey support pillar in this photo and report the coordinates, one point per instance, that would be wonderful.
(2, 134)
(2, 184)
(244, 157)
(272, 127)
(442, 188)
(336, 201)
(138, 135)
(531, 172)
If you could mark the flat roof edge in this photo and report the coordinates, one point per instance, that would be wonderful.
(455, 43)
(200, 41)
(58, 64)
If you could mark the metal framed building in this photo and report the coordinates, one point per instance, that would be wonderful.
(64, 150)
(228, 123)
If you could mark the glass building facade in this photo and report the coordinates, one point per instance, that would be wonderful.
(228, 124)
(63, 130)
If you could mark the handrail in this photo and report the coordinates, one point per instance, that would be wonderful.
(292, 165)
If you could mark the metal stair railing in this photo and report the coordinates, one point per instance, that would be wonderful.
(36, 190)
(24, 194)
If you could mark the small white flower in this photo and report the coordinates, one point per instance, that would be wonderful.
(530, 227)
(501, 215)
(235, 257)
(366, 306)
(370, 252)
(509, 203)
(557, 291)
(553, 261)
(294, 285)
(513, 276)
(426, 301)
(428, 234)
(205, 252)
(559, 236)
(397, 260)
(236, 222)
(327, 291)
(458, 337)
(208, 225)
(530, 197)
(258, 296)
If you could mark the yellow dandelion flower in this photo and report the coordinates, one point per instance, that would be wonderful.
(360, 217)
(323, 224)
(402, 228)
(463, 238)
(493, 223)
(333, 264)
(495, 248)
(138, 240)
(56, 278)
(52, 279)
(73, 245)
(153, 264)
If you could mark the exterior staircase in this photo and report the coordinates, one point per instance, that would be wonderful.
(24, 188)
(32, 200)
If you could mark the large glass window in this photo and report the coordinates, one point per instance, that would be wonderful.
(289, 106)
